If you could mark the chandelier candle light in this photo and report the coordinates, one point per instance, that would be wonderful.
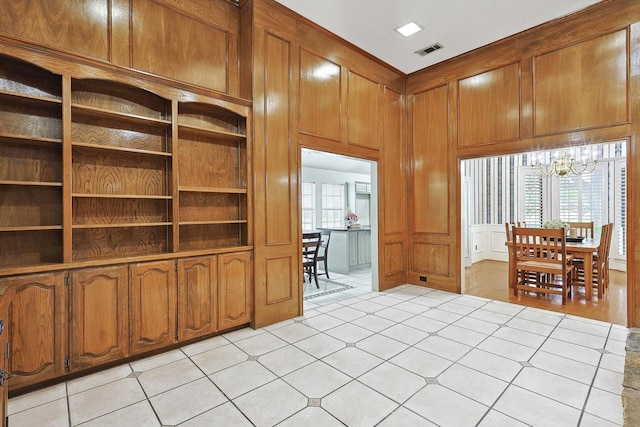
(564, 163)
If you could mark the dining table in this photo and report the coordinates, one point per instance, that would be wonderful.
(579, 249)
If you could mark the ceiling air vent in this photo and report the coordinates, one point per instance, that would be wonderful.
(427, 50)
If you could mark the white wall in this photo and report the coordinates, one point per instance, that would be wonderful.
(323, 176)
(488, 242)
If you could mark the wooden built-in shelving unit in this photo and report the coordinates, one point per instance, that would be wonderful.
(147, 174)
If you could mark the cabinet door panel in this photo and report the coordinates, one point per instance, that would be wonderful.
(353, 248)
(152, 305)
(100, 316)
(37, 328)
(197, 298)
(5, 300)
(235, 298)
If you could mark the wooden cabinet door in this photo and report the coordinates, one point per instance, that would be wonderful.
(353, 248)
(153, 305)
(197, 297)
(99, 316)
(37, 328)
(234, 294)
(5, 300)
(364, 247)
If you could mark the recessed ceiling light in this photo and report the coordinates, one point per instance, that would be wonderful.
(409, 29)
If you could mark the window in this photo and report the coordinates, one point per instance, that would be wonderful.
(583, 197)
(620, 211)
(332, 205)
(308, 205)
(533, 199)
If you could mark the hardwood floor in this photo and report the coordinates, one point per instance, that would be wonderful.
(489, 279)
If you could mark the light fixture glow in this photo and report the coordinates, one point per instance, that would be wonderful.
(409, 29)
(564, 163)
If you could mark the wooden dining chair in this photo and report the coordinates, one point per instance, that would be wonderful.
(508, 228)
(600, 266)
(583, 228)
(311, 242)
(542, 264)
(323, 252)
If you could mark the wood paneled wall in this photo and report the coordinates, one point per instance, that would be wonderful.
(573, 81)
(190, 41)
(312, 90)
(569, 82)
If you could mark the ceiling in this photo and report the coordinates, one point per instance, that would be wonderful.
(459, 25)
(334, 162)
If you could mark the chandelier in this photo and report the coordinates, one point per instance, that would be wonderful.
(563, 164)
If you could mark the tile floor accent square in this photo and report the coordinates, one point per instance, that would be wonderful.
(424, 358)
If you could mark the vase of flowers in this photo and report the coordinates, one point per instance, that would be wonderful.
(350, 218)
(556, 223)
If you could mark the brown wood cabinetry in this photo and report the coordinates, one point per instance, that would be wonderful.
(212, 173)
(99, 316)
(152, 305)
(30, 164)
(38, 328)
(235, 289)
(197, 297)
(120, 173)
(96, 169)
(6, 295)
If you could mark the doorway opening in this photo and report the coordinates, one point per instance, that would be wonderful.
(504, 189)
(332, 187)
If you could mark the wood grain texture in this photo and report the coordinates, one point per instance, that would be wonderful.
(489, 107)
(212, 207)
(99, 211)
(5, 302)
(109, 132)
(235, 294)
(207, 236)
(431, 259)
(164, 41)
(320, 96)
(25, 206)
(582, 86)
(21, 77)
(80, 26)
(210, 117)
(275, 93)
(26, 162)
(394, 258)
(28, 248)
(114, 96)
(279, 154)
(197, 297)
(101, 172)
(37, 328)
(30, 119)
(363, 111)
(430, 157)
(209, 162)
(152, 306)
(393, 164)
(100, 313)
(113, 243)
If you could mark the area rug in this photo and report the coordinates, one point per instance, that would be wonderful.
(327, 287)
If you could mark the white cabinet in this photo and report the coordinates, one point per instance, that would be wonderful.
(364, 247)
(349, 249)
(353, 248)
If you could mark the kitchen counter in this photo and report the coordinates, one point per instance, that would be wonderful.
(348, 248)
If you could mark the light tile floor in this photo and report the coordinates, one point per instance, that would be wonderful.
(411, 356)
